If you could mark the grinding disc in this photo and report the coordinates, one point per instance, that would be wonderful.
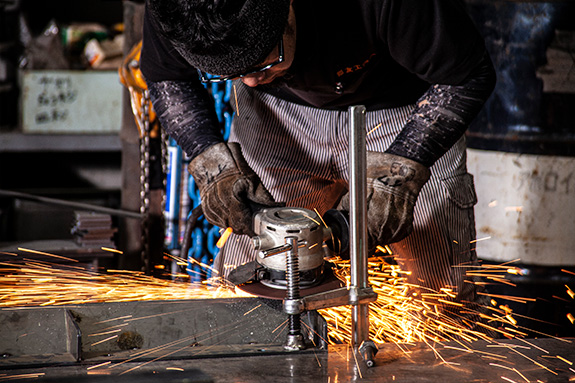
(330, 282)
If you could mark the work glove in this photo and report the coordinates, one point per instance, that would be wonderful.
(229, 189)
(393, 185)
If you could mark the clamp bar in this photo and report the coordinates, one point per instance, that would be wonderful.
(358, 227)
(358, 218)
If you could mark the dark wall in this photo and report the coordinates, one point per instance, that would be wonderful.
(39, 13)
(521, 116)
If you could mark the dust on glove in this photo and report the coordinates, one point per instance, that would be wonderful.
(230, 191)
(393, 185)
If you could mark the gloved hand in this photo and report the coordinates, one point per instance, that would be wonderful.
(393, 185)
(229, 188)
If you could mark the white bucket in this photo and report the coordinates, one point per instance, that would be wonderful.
(526, 207)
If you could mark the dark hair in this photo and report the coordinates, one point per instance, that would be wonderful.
(221, 36)
(197, 24)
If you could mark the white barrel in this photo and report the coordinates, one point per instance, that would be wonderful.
(526, 207)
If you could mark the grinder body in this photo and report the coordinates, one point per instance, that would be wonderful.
(272, 227)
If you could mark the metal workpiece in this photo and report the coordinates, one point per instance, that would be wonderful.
(66, 334)
(54, 334)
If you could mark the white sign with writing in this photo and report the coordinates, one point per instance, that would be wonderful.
(71, 102)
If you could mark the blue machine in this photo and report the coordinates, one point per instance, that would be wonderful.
(186, 228)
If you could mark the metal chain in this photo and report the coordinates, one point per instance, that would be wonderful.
(165, 158)
(145, 179)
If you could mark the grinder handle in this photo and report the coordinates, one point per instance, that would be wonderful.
(338, 222)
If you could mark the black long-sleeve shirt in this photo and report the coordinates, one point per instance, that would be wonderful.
(377, 53)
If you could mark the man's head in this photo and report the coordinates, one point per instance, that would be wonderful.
(222, 36)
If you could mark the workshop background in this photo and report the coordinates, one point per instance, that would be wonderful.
(70, 141)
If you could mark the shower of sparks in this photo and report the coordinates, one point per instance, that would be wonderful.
(406, 313)
(20, 376)
(403, 314)
(37, 283)
(47, 254)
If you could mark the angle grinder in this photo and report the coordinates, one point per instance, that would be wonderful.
(318, 238)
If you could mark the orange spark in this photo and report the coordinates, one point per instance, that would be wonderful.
(236, 97)
(112, 250)
(99, 365)
(564, 360)
(480, 239)
(47, 254)
(374, 129)
(570, 292)
(252, 309)
(224, 238)
(104, 340)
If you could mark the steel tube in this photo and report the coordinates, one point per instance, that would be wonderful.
(70, 204)
(358, 218)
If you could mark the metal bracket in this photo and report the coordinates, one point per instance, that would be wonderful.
(333, 298)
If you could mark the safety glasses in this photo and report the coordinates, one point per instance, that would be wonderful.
(210, 78)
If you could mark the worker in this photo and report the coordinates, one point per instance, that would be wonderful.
(419, 67)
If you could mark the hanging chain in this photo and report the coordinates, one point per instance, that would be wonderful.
(165, 158)
(145, 179)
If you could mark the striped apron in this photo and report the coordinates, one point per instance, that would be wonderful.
(301, 155)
